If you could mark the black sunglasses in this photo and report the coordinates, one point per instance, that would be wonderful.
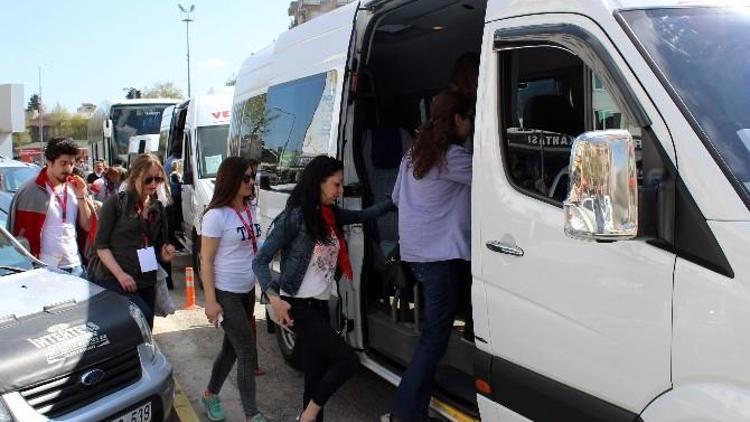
(248, 177)
(148, 180)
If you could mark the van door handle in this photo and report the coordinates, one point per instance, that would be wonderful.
(500, 247)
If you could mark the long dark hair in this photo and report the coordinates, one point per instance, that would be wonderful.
(228, 181)
(306, 195)
(438, 133)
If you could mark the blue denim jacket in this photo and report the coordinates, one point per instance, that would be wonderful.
(289, 235)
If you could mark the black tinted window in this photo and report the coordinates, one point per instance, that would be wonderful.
(297, 127)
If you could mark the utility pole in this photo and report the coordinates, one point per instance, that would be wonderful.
(187, 17)
(41, 113)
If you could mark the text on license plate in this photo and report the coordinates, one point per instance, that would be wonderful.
(139, 414)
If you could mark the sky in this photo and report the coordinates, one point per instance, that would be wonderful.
(90, 50)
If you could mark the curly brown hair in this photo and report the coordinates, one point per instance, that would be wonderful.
(439, 133)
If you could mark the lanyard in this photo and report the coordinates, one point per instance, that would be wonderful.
(248, 226)
(144, 225)
(63, 202)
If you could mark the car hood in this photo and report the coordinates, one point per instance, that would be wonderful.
(67, 324)
(31, 291)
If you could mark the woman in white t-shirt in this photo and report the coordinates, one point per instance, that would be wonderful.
(229, 242)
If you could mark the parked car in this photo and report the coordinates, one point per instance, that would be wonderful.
(72, 351)
(13, 174)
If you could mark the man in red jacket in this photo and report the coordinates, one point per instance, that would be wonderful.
(53, 211)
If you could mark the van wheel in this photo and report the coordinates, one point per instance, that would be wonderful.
(288, 347)
(197, 259)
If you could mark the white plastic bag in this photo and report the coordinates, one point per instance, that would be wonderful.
(164, 305)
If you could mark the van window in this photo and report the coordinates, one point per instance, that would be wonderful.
(211, 145)
(296, 127)
(550, 97)
(248, 127)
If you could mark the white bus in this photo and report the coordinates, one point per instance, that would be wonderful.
(116, 125)
(624, 122)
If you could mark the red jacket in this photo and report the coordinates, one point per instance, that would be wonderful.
(28, 210)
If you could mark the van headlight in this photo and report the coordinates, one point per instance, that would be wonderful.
(148, 339)
(5, 415)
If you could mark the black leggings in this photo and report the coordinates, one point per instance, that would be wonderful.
(328, 361)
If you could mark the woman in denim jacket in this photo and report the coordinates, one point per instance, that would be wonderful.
(314, 256)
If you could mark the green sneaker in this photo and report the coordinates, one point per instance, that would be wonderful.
(258, 417)
(213, 408)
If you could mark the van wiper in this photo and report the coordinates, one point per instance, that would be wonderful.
(10, 268)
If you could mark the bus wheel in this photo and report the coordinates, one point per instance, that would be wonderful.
(288, 347)
(197, 259)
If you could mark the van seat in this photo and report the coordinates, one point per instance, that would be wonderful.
(382, 149)
(552, 113)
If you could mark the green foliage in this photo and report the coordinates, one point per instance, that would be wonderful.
(34, 103)
(132, 93)
(163, 90)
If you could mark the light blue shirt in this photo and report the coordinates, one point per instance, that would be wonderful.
(434, 212)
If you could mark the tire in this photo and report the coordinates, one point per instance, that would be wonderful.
(288, 347)
(197, 259)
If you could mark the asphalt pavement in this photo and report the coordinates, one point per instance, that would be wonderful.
(191, 343)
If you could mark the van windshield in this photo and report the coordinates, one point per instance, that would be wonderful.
(704, 54)
(212, 149)
(11, 260)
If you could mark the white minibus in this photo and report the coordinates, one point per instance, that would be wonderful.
(610, 197)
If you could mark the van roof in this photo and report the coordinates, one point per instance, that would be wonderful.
(210, 110)
(255, 74)
(499, 9)
(138, 101)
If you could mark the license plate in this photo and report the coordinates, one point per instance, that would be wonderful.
(139, 414)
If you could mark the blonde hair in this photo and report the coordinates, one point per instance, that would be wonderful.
(140, 167)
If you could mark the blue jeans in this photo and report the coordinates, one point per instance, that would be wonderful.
(441, 282)
(144, 298)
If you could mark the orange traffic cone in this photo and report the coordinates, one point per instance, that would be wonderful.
(189, 289)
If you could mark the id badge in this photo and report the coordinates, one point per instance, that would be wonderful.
(147, 259)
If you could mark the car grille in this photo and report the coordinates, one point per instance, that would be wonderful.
(65, 394)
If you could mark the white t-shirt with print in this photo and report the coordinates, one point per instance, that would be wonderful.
(233, 271)
(321, 272)
(59, 247)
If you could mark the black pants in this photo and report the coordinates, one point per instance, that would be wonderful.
(328, 361)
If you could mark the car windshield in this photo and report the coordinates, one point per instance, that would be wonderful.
(11, 260)
(704, 54)
(135, 120)
(212, 149)
(15, 177)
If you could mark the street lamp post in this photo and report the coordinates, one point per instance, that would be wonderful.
(41, 113)
(188, 16)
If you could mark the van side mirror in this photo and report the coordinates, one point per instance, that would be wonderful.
(107, 128)
(602, 202)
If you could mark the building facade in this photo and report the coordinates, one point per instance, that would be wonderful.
(302, 11)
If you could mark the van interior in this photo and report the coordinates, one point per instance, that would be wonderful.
(409, 56)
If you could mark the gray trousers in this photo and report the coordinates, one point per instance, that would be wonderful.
(239, 346)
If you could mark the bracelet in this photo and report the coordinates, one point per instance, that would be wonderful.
(80, 197)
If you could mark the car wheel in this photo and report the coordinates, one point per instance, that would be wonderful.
(288, 347)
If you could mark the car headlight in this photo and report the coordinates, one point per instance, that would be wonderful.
(148, 338)
(5, 415)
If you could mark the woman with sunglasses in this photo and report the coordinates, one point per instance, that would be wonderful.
(132, 237)
(229, 242)
(314, 256)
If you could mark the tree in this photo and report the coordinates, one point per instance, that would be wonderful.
(34, 103)
(132, 93)
(163, 90)
(232, 81)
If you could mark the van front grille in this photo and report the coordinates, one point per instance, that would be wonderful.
(67, 393)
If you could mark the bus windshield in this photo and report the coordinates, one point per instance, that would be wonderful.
(704, 54)
(212, 149)
(132, 120)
